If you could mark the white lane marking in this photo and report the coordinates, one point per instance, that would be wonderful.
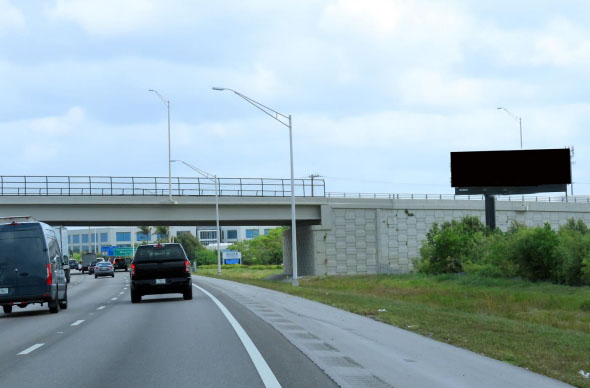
(77, 322)
(268, 378)
(124, 288)
(30, 349)
(121, 293)
(113, 298)
(101, 307)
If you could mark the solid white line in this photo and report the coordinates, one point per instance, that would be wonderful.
(77, 322)
(101, 307)
(268, 378)
(29, 350)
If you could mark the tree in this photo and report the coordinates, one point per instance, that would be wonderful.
(146, 231)
(262, 249)
(190, 243)
(163, 230)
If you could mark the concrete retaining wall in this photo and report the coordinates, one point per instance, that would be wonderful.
(371, 237)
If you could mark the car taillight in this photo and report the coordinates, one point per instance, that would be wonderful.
(133, 269)
(49, 275)
(187, 266)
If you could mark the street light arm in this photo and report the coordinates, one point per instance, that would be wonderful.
(278, 116)
(204, 173)
(515, 117)
(165, 101)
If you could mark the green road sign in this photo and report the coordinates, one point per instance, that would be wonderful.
(124, 251)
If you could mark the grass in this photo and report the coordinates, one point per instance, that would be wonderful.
(542, 327)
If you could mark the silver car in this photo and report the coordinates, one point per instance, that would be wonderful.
(104, 268)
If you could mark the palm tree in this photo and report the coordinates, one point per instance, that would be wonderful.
(146, 231)
(163, 230)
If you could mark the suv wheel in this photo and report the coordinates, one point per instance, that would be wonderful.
(135, 297)
(63, 304)
(7, 308)
(53, 307)
(188, 294)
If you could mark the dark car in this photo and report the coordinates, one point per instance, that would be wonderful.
(91, 268)
(120, 263)
(104, 268)
(160, 269)
(31, 268)
(74, 264)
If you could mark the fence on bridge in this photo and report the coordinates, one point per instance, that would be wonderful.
(138, 186)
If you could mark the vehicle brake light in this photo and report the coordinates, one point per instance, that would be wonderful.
(49, 275)
(133, 269)
(187, 266)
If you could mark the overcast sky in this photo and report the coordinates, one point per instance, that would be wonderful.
(381, 91)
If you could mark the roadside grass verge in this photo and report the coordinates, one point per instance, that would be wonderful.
(539, 326)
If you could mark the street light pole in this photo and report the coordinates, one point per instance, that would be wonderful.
(515, 117)
(167, 103)
(286, 121)
(216, 183)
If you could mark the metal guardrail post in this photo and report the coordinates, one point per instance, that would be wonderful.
(25, 179)
(132, 186)
(262, 183)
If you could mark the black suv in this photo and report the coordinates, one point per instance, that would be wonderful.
(160, 269)
(120, 263)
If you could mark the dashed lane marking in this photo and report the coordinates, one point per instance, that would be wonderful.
(101, 307)
(30, 349)
(77, 322)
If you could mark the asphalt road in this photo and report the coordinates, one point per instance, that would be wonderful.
(102, 340)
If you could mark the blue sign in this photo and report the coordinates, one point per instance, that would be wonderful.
(108, 251)
(232, 257)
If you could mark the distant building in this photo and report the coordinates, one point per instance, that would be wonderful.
(92, 239)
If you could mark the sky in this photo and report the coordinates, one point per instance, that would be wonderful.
(380, 91)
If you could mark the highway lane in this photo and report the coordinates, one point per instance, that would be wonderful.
(102, 340)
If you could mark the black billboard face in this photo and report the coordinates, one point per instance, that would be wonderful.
(519, 168)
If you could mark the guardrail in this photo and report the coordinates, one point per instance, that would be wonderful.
(512, 198)
(140, 186)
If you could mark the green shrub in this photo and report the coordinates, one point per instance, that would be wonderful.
(573, 248)
(449, 246)
(205, 257)
(533, 250)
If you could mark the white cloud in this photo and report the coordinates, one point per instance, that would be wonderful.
(58, 125)
(107, 17)
(10, 17)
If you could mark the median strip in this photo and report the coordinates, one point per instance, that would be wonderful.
(30, 349)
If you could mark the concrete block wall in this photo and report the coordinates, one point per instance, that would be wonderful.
(371, 237)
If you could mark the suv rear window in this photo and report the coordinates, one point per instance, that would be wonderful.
(21, 243)
(164, 252)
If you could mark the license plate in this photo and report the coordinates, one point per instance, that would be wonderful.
(3, 291)
(160, 281)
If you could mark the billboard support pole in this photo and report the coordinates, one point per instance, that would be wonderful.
(490, 203)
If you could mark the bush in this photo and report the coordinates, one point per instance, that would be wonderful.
(572, 251)
(205, 257)
(533, 250)
(450, 246)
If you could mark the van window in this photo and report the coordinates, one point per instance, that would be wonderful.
(21, 243)
(165, 252)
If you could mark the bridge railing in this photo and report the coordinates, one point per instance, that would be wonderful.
(512, 198)
(181, 186)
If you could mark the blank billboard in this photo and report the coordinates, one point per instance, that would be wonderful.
(517, 168)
